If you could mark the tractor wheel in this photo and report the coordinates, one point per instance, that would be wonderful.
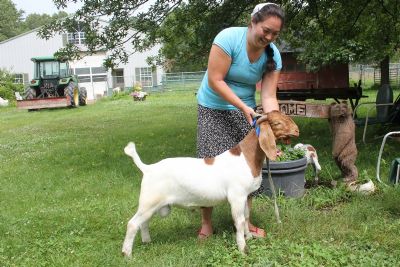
(72, 94)
(30, 93)
(82, 96)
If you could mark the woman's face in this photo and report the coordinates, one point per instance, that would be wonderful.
(265, 32)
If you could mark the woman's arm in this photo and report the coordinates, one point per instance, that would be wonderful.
(269, 86)
(218, 65)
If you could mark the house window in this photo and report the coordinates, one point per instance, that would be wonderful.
(93, 74)
(99, 78)
(84, 79)
(99, 74)
(19, 78)
(119, 74)
(83, 75)
(145, 76)
(97, 70)
(76, 38)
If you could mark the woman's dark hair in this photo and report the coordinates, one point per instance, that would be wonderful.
(270, 10)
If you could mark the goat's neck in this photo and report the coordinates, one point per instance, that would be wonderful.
(252, 152)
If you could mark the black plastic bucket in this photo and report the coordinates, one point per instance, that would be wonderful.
(288, 177)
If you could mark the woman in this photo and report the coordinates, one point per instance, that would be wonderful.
(239, 58)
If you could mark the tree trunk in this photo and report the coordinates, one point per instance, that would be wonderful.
(385, 79)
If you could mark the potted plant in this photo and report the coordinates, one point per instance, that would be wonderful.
(137, 93)
(287, 172)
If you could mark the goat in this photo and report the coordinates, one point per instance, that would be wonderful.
(116, 90)
(193, 182)
(312, 158)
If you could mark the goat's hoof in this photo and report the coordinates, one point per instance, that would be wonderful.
(245, 250)
(248, 236)
(146, 241)
(126, 254)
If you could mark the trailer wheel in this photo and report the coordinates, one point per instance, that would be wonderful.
(30, 93)
(72, 94)
(82, 96)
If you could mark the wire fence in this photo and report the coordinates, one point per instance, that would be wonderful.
(371, 75)
(368, 74)
(177, 81)
(182, 81)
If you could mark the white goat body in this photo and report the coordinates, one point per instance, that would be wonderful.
(192, 182)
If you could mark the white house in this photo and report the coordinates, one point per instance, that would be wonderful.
(16, 54)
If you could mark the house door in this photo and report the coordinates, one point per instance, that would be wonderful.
(118, 78)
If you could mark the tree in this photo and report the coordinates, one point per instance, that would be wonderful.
(10, 19)
(12, 22)
(186, 36)
(345, 31)
(33, 21)
(129, 22)
(326, 31)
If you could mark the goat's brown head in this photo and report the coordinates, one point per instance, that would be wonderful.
(274, 126)
(339, 111)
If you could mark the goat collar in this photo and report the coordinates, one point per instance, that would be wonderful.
(255, 125)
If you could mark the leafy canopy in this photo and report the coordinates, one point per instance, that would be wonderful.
(12, 21)
(344, 31)
(325, 31)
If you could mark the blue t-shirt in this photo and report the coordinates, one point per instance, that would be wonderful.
(242, 75)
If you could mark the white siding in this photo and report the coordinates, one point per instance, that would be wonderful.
(16, 53)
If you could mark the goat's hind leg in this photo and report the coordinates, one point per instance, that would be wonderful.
(144, 228)
(144, 232)
(141, 217)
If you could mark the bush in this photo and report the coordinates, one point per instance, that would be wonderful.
(8, 87)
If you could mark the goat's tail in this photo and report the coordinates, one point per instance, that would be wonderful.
(130, 150)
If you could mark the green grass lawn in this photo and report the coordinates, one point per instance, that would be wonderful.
(67, 191)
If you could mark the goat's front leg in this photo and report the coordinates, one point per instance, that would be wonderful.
(247, 233)
(238, 206)
(315, 172)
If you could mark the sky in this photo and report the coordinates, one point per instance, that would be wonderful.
(42, 6)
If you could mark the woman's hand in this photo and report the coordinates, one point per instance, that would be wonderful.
(249, 113)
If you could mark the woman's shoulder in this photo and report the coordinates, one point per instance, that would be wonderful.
(234, 30)
(231, 35)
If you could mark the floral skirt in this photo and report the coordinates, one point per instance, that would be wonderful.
(219, 131)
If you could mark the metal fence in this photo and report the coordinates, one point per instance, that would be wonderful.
(182, 81)
(177, 81)
(371, 75)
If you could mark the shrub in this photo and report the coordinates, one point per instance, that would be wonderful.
(8, 87)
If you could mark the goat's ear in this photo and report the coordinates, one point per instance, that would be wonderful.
(267, 140)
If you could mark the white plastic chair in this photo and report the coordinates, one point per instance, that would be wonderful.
(378, 165)
(18, 96)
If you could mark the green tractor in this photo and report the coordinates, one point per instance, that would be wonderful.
(53, 85)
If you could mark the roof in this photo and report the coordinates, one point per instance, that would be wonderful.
(44, 58)
(17, 36)
(37, 29)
